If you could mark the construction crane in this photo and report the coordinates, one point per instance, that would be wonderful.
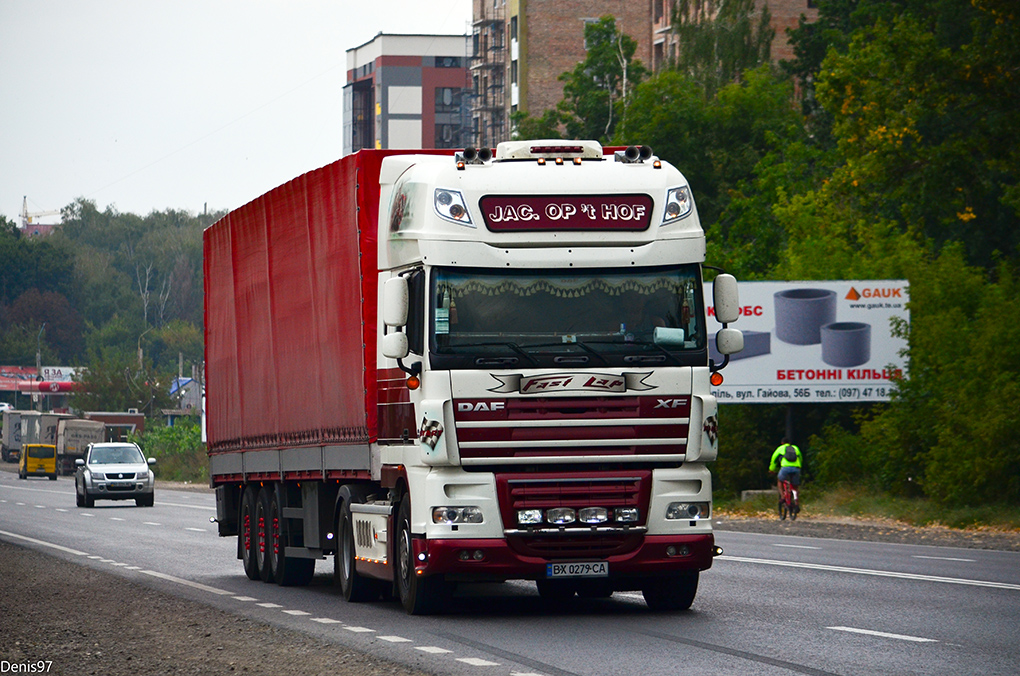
(27, 216)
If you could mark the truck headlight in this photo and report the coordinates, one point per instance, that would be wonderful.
(626, 514)
(592, 515)
(678, 204)
(687, 510)
(452, 515)
(450, 205)
(561, 515)
(529, 517)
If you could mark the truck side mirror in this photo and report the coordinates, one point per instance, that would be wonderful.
(394, 345)
(727, 300)
(395, 302)
(729, 341)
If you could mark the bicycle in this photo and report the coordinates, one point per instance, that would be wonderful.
(789, 501)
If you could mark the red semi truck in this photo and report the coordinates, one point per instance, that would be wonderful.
(447, 367)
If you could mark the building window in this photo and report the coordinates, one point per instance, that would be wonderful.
(448, 62)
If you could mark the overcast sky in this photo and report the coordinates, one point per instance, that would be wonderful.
(177, 104)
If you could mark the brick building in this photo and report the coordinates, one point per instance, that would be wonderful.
(406, 91)
(520, 48)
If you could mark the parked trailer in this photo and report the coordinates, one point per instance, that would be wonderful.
(73, 438)
(10, 443)
(445, 368)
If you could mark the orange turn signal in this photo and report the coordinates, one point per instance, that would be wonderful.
(716, 379)
(413, 383)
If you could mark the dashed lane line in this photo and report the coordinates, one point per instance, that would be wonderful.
(875, 573)
(884, 634)
(395, 639)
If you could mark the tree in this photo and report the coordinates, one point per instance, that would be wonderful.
(718, 40)
(117, 383)
(596, 91)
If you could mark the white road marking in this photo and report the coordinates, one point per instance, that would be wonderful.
(151, 523)
(796, 546)
(360, 630)
(876, 573)
(395, 639)
(43, 543)
(59, 509)
(432, 650)
(87, 514)
(245, 598)
(188, 583)
(477, 662)
(326, 620)
(116, 518)
(196, 530)
(40, 506)
(133, 568)
(942, 558)
(295, 612)
(269, 605)
(883, 634)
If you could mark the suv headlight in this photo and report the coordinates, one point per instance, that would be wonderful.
(97, 476)
(452, 515)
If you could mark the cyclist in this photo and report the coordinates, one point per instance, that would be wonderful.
(788, 460)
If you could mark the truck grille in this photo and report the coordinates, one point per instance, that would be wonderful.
(590, 429)
(611, 490)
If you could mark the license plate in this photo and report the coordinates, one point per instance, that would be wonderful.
(578, 569)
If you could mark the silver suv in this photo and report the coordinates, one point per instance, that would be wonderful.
(113, 471)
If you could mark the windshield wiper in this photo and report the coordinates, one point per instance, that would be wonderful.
(513, 346)
(660, 348)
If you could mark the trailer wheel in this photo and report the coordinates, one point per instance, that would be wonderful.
(671, 593)
(246, 533)
(355, 588)
(419, 595)
(288, 571)
(262, 535)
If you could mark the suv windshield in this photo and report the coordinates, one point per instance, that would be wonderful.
(546, 318)
(116, 455)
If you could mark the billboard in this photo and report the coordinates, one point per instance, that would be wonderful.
(814, 342)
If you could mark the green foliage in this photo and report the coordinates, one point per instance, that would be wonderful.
(597, 89)
(528, 128)
(116, 382)
(179, 451)
(718, 40)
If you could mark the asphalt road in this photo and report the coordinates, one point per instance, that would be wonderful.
(770, 605)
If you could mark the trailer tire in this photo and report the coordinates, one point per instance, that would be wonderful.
(356, 588)
(262, 535)
(246, 533)
(288, 571)
(671, 593)
(420, 595)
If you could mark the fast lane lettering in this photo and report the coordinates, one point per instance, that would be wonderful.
(545, 383)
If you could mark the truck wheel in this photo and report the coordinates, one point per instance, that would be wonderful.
(419, 595)
(246, 533)
(262, 543)
(671, 593)
(355, 588)
(288, 571)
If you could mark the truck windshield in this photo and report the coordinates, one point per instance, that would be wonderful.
(546, 318)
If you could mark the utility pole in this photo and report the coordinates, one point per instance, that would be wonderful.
(38, 365)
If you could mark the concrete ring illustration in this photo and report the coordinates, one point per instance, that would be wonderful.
(846, 343)
(801, 314)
